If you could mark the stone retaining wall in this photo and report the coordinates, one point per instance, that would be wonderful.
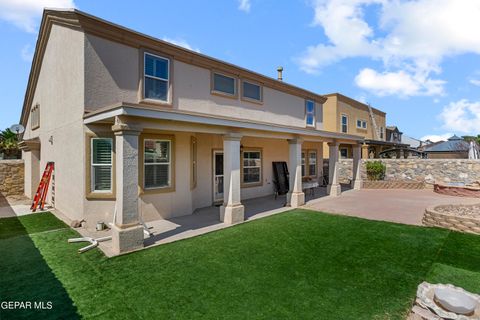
(434, 218)
(11, 177)
(428, 171)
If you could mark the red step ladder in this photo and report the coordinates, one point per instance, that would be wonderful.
(42, 190)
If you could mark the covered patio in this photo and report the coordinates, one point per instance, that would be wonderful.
(195, 141)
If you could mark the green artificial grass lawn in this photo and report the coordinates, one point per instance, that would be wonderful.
(295, 265)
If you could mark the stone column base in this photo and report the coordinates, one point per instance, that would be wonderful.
(357, 184)
(232, 214)
(296, 199)
(127, 239)
(334, 190)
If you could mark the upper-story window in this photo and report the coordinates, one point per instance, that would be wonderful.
(361, 124)
(310, 113)
(381, 133)
(156, 77)
(251, 91)
(35, 117)
(224, 84)
(344, 123)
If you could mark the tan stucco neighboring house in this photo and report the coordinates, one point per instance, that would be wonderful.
(142, 128)
(346, 115)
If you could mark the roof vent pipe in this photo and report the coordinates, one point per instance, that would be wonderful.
(280, 70)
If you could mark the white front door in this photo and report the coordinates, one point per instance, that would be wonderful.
(217, 176)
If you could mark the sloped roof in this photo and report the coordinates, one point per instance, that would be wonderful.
(453, 144)
(414, 143)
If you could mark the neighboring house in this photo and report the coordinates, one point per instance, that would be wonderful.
(346, 115)
(412, 142)
(393, 134)
(454, 148)
(147, 129)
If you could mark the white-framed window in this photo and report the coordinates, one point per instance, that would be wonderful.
(35, 117)
(224, 84)
(343, 153)
(381, 133)
(157, 164)
(156, 80)
(312, 162)
(251, 91)
(310, 113)
(344, 123)
(361, 124)
(252, 166)
(101, 164)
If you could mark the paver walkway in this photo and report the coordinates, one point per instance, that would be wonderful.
(402, 206)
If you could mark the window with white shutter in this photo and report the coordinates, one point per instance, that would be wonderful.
(101, 164)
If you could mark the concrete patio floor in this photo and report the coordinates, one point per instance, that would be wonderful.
(394, 205)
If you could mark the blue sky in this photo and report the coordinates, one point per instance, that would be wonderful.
(418, 61)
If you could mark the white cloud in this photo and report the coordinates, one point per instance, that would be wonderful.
(181, 43)
(475, 82)
(244, 5)
(409, 36)
(462, 116)
(436, 137)
(27, 53)
(397, 83)
(26, 13)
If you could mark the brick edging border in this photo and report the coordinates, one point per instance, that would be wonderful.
(368, 184)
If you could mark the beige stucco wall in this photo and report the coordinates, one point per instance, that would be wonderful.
(184, 200)
(333, 110)
(59, 92)
(113, 74)
(32, 172)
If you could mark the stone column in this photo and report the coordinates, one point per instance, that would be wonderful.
(357, 164)
(295, 196)
(127, 232)
(364, 151)
(232, 211)
(333, 188)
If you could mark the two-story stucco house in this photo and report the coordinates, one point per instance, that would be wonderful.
(138, 127)
(346, 115)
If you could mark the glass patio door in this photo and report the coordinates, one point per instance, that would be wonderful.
(217, 176)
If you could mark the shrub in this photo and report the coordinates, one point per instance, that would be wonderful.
(375, 170)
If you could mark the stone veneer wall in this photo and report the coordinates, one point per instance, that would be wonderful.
(11, 177)
(419, 170)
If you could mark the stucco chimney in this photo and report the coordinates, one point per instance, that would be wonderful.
(280, 70)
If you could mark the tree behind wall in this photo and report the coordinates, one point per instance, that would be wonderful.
(9, 145)
(472, 138)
